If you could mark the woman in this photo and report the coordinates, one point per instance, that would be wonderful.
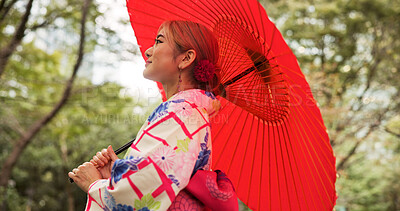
(175, 142)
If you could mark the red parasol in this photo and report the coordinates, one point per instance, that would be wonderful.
(269, 136)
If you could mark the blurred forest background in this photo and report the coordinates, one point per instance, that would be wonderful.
(53, 116)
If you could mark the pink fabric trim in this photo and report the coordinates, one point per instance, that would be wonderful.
(90, 200)
(197, 108)
(140, 166)
(166, 186)
(183, 126)
(101, 199)
(157, 138)
(133, 146)
(205, 125)
(135, 188)
(91, 185)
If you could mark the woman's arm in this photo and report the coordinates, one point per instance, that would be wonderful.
(158, 166)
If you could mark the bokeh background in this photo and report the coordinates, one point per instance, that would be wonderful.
(71, 84)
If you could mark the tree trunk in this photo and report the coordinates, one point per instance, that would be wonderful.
(64, 158)
(7, 51)
(25, 139)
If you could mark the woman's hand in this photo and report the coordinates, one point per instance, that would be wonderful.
(85, 175)
(104, 161)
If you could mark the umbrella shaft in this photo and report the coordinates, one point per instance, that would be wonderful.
(117, 151)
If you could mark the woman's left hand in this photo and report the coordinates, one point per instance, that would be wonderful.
(85, 175)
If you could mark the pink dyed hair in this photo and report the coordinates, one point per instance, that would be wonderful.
(190, 35)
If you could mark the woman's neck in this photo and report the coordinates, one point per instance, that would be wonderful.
(172, 88)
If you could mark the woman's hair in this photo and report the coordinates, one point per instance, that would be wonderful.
(190, 35)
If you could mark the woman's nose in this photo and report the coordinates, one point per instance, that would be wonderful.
(148, 52)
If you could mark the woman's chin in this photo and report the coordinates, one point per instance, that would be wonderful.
(149, 76)
(146, 74)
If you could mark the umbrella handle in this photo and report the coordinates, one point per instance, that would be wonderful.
(117, 151)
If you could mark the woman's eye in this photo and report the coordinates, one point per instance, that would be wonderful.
(158, 41)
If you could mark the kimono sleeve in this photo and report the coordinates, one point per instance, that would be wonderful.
(159, 164)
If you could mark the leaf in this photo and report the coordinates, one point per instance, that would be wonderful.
(155, 206)
(138, 204)
(183, 145)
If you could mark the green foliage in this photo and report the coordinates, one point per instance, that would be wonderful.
(95, 116)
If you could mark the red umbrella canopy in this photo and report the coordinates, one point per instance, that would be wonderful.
(269, 136)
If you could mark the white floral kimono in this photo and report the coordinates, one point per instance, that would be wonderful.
(171, 146)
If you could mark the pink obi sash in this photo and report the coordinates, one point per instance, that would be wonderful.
(207, 190)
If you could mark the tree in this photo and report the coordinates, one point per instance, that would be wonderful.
(33, 93)
(6, 51)
(27, 136)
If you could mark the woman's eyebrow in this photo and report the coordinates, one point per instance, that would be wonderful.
(160, 35)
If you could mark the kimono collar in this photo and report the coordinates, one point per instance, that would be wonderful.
(201, 98)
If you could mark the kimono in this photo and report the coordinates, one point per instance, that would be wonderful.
(170, 147)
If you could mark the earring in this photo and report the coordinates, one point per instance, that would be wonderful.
(180, 80)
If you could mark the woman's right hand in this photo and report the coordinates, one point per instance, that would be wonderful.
(104, 161)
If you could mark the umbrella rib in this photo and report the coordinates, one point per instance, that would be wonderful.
(319, 146)
(253, 159)
(320, 121)
(245, 99)
(228, 138)
(271, 113)
(229, 59)
(314, 126)
(265, 106)
(237, 143)
(220, 113)
(313, 164)
(255, 26)
(150, 3)
(145, 13)
(277, 168)
(304, 170)
(272, 38)
(283, 162)
(193, 14)
(269, 169)
(245, 16)
(327, 145)
(317, 159)
(261, 172)
(295, 167)
(287, 143)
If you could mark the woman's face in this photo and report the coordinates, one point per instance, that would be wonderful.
(161, 65)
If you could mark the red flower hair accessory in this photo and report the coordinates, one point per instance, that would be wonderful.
(204, 71)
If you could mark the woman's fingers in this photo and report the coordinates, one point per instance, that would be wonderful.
(94, 162)
(101, 157)
(97, 161)
(112, 154)
(104, 152)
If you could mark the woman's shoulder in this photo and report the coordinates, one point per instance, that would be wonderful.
(199, 98)
(184, 102)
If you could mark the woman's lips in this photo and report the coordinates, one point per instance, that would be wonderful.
(147, 63)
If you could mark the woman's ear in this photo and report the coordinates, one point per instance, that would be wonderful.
(187, 59)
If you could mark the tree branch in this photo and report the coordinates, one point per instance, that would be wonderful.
(372, 127)
(2, 3)
(6, 52)
(392, 133)
(37, 126)
(6, 9)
